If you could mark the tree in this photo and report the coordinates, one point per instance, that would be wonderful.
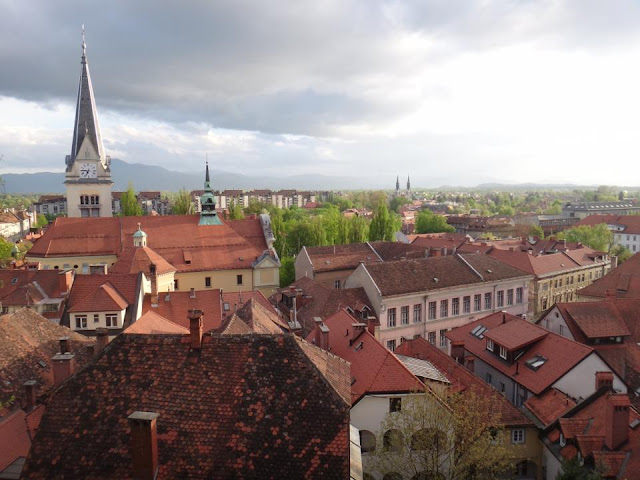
(397, 202)
(428, 222)
(598, 237)
(536, 231)
(572, 470)
(622, 252)
(182, 203)
(359, 229)
(449, 436)
(235, 211)
(6, 247)
(287, 271)
(129, 205)
(41, 221)
(382, 224)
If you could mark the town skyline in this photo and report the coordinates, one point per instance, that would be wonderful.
(451, 95)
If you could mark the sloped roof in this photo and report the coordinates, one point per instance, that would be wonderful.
(548, 263)
(373, 368)
(16, 432)
(341, 257)
(461, 378)
(549, 406)
(26, 339)
(121, 289)
(17, 287)
(151, 323)
(105, 299)
(260, 319)
(139, 259)
(561, 353)
(631, 223)
(390, 251)
(175, 306)
(622, 281)
(594, 319)
(244, 404)
(407, 276)
(234, 244)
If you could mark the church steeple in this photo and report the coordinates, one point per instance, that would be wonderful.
(397, 183)
(86, 121)
(408, 184)
(208, 214)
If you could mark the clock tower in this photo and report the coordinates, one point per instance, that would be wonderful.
(88, 173)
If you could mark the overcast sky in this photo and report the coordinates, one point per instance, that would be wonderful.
(450, 92)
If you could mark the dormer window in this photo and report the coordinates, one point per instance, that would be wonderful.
(490, 345)
(503, 352)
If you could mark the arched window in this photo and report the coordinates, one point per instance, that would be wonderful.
(428, 439)
(367, 441)
(393, 440)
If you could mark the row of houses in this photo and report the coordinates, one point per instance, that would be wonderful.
(152, 203)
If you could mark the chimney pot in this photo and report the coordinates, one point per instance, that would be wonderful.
(195, 328)
(371, 325)
(604, 380)
(144, 444)
(29, 394)
(324, 336)
(102, 338)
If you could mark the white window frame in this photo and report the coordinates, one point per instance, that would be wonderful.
(82, 319)
(517, 436)
(111, 319)
(490, 345)
(503, 352)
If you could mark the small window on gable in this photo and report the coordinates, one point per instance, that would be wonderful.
(395, 404)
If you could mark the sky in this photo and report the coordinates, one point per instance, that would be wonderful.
(448, 92)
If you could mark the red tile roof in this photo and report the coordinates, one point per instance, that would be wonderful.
(631, 223)
(594, 319)
(621, 282)
(234, 244)
(516, 335)
(245, 406)
(374, 368)
(103, 292)
(390, 251)
(153, 324)
(16, 431)
(26, 287)
(175, 306)
(105, 299)
(461, 378)
(26, 339)
(434, 273)
(341, 257)
(561, 353)
(139, 259)
(549, 406)
(548, 263)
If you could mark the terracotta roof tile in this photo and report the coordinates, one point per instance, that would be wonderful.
(621, 282)
(153, 324)
(516, 335)
(106, 298)
(244, 404)
(341, 257)
(16, 431)
(139, 259)
(549, 406)
(561, 353)
(595, 319)
(26, 287)
(461, 378)
(548, 263)
(175, 306)
(86, 286)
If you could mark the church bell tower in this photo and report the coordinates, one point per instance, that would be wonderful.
(88, 172)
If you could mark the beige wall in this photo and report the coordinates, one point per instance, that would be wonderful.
(92, 324)
(329, 279)
(51, 262)
(530, 450)
(224, 279)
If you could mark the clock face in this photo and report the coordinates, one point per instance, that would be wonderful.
(88, 170)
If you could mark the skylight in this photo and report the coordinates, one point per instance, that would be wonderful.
(536, 362)
(479, 331)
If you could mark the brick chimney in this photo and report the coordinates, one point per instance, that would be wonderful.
(65, 344)
(371, 325)
(195, 328)
(469, 362)
(457, 351)
(616, 420)
(144, 444)
(356, 330)
(316, 329)
(63, 364)
(604, 380)
(102, 338)
(324, 336)
(65, 280)
(153, 277)
(29, 395)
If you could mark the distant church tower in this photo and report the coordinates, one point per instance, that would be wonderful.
(397, 185)
(408, 185)
(88, 175)
(208, 214)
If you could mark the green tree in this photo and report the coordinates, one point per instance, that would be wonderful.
(5, 251)
(598, 237)
(344, 231)
(255, 207)
(379, 224)
(397, 202)
(572, 470)
(287, 271)
(235, 211)
(428, 222)
(359, 231)
(182, 204)
(622, 252)
(129, 205)
(41, 221)
(452, 436)
(536, 231)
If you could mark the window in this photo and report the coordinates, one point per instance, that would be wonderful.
(112, 319)
(500, 298)
(562, 330)
(455, 306)
(432, 338)
(96, 318)
(336, 284)
(519, 295)
(175, 284)
(238, 279)
(50, 307)
(404, 315)
(510, 296)
(395, 404)
(466, 304)
(517, 435)
(81, 321)
(443, 338)
(417, 313)
(503, 352)
(488, 377)
(391, 345)
(477, 299)
(444, 308)
(490, 345)
(544, 303)
(502, 387)
(487, 301)
(367, 441)
(391, 317)
(563, 441)
(207, 282)
(432, 310)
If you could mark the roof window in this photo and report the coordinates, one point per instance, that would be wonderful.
(225, 305)
(479, 331)
(14, 280)
(536, 362)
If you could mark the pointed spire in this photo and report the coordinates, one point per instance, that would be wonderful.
(207, 176)
(86, 122)
(397, 183)
(408, 183)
